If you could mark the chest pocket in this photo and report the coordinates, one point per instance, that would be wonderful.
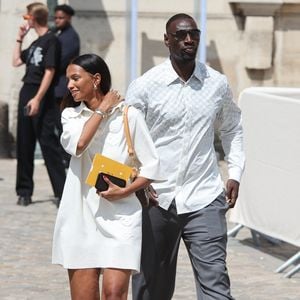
(114, 132)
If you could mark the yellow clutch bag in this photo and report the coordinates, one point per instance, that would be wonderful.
(103, 164)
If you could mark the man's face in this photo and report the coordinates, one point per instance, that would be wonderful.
(61, 19)
(182, 39)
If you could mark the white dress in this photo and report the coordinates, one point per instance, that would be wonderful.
(90, 231)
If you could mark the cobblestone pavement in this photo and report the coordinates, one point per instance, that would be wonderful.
(26, 236)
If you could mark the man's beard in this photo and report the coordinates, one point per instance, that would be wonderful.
(187, 57)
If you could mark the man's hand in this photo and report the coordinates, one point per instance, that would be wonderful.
(153, 197)
(23, 30)
(232, 192)
(33, 105)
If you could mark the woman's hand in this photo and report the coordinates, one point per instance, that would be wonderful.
(110, 100)
(113, 192)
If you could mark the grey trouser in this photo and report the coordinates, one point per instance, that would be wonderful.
(204, 233)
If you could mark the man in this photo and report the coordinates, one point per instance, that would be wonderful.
(182, 100)
(36, 106)
(70, 48)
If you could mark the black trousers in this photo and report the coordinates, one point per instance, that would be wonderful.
(38, 128)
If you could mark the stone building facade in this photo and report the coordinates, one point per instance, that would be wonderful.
(253, 42)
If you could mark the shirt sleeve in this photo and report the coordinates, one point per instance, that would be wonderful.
(144, 147)
(229, 124)
(52, 53)
(70, 46)
(72, 129)
(136, 96)
(24, 55)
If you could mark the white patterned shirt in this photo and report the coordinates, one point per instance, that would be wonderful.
(182, 117)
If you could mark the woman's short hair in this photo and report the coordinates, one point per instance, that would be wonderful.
(39, 11)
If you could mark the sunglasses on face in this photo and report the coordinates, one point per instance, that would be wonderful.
(181, 35)
(27, 17)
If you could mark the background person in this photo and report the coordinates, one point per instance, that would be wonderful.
(181, 100)
(70, 48)
(36, 108)
(100, 232)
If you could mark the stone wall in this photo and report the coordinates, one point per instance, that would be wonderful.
(255, 43)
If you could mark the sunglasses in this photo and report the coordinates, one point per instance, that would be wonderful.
(27, 17)
(181, 35)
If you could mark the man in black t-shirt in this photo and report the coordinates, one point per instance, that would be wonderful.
(36, 108)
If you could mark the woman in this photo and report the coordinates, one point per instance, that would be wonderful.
(100, 233)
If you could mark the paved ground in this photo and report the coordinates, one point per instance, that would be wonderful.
(26, 271)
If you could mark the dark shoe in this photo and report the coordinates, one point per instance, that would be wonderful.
(24, 200)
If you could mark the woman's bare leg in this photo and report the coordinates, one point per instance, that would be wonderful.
(115, 284)
(84, 284)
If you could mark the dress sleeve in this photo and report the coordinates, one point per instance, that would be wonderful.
(72, 129)
(144, 146)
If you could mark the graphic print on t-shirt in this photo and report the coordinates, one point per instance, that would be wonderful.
(37, 56)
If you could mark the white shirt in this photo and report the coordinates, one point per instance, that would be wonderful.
(181, 117)
(90, 231)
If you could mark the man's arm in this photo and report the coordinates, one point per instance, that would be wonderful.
(229, 121)
(17, 61)
(34, 103)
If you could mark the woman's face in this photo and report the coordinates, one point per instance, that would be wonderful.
(80, 83)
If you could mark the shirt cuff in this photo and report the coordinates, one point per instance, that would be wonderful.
(235, 174)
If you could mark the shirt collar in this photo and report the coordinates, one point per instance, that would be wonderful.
(200, 72)
(68, 26)
(78, 110)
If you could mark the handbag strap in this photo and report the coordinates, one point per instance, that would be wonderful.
(130, 147)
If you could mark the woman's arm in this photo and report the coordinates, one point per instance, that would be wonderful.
(90, 127)
(114, 192)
